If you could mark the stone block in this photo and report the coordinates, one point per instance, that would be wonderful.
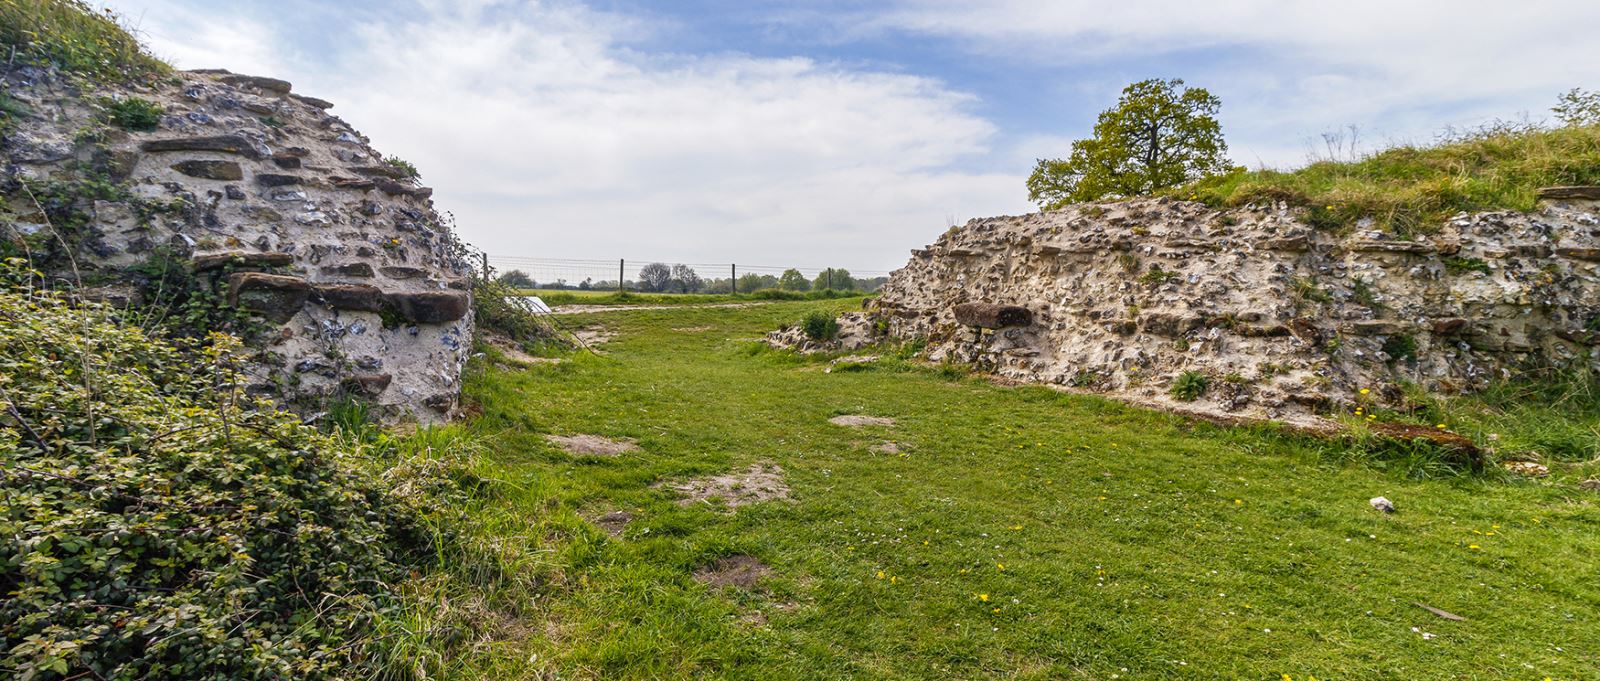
(350, 269)
(992, 316)
(357, 297)
(226, 171)
(273, 296)
(226, 144)
(431, 307)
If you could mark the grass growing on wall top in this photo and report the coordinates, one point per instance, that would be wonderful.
(1412, 189)
(75, 37)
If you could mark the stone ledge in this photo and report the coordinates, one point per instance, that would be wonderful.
(1375, 246)
(226, 144)
(206, 263)
(1569, 193)
(261, 83)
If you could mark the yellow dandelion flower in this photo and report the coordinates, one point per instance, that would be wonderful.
(1365, 391)
(996, 611)
(880, 574)
(1474, 547)
(1002, 566)
(1238, 502)
(983, 597)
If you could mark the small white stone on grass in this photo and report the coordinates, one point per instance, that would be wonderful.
(1382, 504)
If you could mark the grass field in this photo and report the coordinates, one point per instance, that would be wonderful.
(1018, 533)
(571, 297)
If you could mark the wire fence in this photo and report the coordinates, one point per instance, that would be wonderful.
(669, 276)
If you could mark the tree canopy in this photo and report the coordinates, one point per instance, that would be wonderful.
(655, 276)
(834, 278)
(793, 280)
(1159, 135)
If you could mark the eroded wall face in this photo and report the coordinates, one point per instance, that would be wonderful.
(274, 204)
(1283, 319)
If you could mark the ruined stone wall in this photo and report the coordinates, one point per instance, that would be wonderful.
(1283, 320)
(275, 204)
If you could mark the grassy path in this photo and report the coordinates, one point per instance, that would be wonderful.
(1019, 533)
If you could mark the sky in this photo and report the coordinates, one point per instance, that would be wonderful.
(843, 133)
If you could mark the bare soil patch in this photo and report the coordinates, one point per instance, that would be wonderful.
(614, 522)
(759, 482)
(595, 335)
(857, 420)
(512, 352)
(886, 447)
(741, 570)
(592, 445)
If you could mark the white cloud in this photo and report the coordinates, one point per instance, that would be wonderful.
(1401, 69)
(548, 136)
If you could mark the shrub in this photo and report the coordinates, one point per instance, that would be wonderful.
(820, 326)
(1189, 386)
(501, 308)
(133, 113)
(156, 527)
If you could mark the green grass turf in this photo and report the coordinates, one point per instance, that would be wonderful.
(1021, 533)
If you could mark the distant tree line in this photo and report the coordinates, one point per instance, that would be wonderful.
(660, 277)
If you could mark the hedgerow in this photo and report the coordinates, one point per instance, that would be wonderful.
(154, 523)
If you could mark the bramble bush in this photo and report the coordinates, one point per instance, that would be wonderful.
(820, 326)
(155, 524)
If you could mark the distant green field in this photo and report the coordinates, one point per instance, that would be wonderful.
(1017, 533)
(568, 297)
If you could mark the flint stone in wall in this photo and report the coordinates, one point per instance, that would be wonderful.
(273, 296)
(226, 171)
(276, 180)
(431, 307)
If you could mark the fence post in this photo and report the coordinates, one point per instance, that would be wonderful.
(733, 282)
(485, 256)
(622, 268)
(830, 278)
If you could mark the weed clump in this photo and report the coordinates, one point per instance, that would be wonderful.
(133, 113)
(1189, 386)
